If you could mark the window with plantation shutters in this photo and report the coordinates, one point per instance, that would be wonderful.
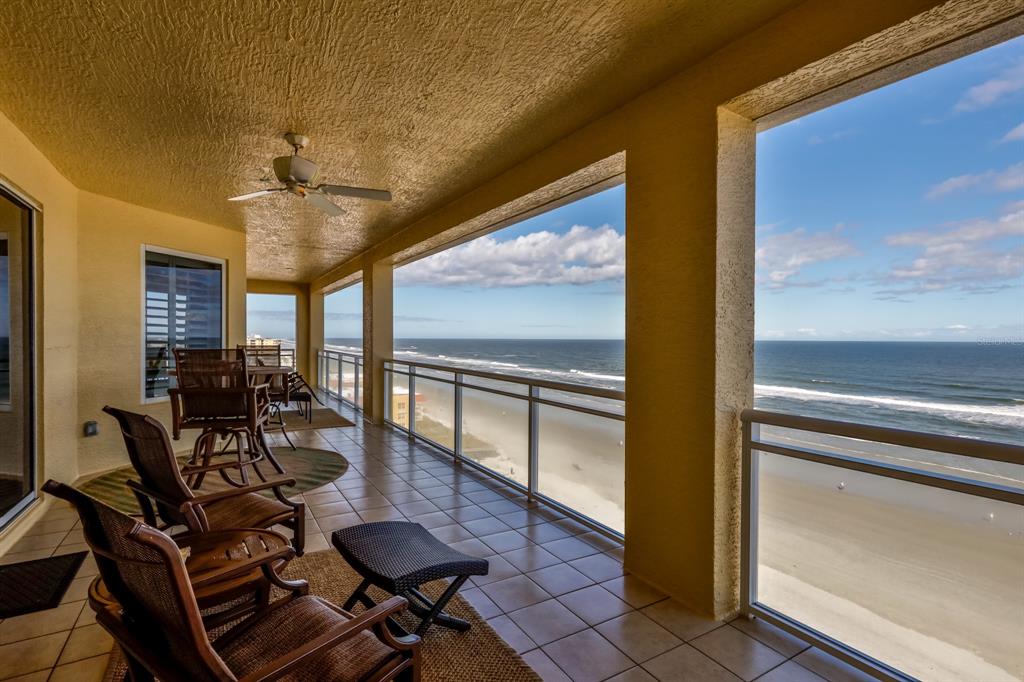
(184, 303)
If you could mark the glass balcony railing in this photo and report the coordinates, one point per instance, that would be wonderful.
(341, 376)
(901, 552)
(561, 443)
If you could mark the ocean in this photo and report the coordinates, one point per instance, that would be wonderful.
(965, 389)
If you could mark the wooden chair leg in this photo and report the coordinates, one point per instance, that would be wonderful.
(261, 438)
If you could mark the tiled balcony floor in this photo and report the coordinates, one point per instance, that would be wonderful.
(556, 593)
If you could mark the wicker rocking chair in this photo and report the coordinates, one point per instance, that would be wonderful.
(154, 618)
(166, 499)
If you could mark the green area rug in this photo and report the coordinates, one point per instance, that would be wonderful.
(310, 467)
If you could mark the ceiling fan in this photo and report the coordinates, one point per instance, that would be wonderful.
(299, 176)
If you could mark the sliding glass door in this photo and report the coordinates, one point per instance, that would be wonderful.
(17, 394)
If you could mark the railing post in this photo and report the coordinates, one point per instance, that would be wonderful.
(748, 540)
(412, 402)
(458, 418)
(532, 470)
(355, 361)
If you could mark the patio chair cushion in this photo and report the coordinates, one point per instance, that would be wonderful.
(291, 626)
(244, 511)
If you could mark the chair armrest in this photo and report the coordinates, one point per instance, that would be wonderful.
(365, 621)
(200, 500)
(242, 567)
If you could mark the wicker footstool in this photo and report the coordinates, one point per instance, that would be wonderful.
(398, 557)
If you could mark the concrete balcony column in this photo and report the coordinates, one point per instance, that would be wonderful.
(315, 337)
(378, 336)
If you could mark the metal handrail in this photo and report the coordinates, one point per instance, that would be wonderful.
(592, 391)
(323, 371)
(532, 397)
(752, 419)
(955, 445)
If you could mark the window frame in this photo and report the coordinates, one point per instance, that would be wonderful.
(143, 250)
(33, 267)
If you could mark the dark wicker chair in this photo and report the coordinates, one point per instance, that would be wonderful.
(156, 622)
(232, 572)
(165, 497)
(216, 395)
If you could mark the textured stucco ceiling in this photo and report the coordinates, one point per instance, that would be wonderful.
(178, 105)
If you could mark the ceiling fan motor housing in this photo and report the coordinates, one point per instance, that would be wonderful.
(296, 169)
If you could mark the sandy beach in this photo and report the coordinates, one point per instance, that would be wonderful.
(939, 595)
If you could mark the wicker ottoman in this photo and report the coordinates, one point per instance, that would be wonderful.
(399, 557)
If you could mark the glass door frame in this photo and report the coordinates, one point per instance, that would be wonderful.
(11, 193)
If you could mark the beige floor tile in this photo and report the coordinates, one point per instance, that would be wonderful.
(330, 509)
(85, 670)
(679, 620)
(595, 604)
(559, 579)
(685, 664)
(515, 593)
(790, 672)
(829, 667)
(37, 676)
(77, 590)
(531, 558)
(86, 642)
(545, 667)
(568, 549)
(31, 543)
(587, 657)
(56, 526)
(328, 524)
(598, 567)
(316, 543)
(638, 636)
(766, 633)
(40, 623)
(481, 602)
(636, 674)
(633, 591)
(743, 655)
(547, 621)
(512, 634)
(17, 557)
(30, 655)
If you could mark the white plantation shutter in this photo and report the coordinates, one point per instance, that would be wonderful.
(184, 304)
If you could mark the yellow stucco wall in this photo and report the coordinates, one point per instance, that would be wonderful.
(110, 238)
(28, 171)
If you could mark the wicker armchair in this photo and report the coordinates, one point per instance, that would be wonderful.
(216, 395)
(232, 572)
(164, 496)
(156, 622)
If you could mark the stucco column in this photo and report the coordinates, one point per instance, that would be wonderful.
(377, 336)
(315, 338)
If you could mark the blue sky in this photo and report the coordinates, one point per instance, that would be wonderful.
(897, 215)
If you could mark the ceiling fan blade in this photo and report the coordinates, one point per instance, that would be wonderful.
(258, 193)
(358, 192)
(324, 204)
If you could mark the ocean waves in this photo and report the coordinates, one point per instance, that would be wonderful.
(996, 415)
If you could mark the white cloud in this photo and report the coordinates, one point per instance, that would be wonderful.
(1006, 180)
(986, 94)
(1016, 134)
(976, 256)
(808, 331)
(583, 255)
(957, 327)
(780, 257)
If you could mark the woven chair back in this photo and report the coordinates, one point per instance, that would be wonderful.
(144, 571)
(152, 457)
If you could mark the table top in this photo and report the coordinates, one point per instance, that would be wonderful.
(269, 371)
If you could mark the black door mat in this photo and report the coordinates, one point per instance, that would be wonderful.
(38, 584)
